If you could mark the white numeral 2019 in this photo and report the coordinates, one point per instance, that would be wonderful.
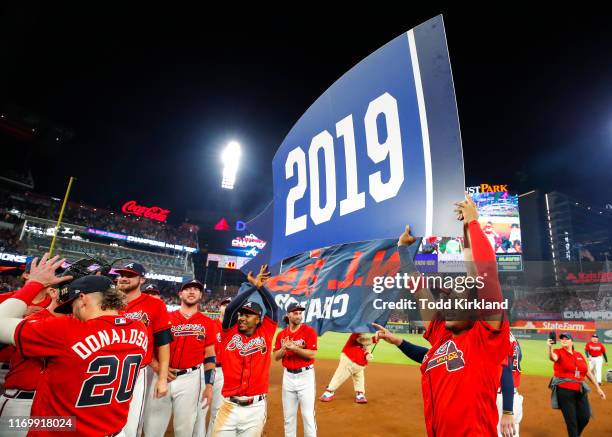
(379, 190)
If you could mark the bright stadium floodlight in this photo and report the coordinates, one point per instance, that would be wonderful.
(231, 161)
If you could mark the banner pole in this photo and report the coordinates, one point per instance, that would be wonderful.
(61, 215)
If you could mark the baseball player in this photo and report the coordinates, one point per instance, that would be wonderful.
(353, 361)
(596, 354)
(217, 397)
(24, 373)
(5, 350)
(246, 340)
(461, 372)
(509, 403)
(91, 358)
(153, 314)
(192, 348)
(152, 291)
(296, 346)
(40, 301)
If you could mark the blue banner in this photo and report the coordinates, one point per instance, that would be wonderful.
(337, 285)
(379, 149)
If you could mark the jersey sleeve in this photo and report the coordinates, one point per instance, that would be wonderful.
(435, 331)
(277, 342)
(494, 343)
(311, 342)
(44, 338)
(269, 326)
(162, 332)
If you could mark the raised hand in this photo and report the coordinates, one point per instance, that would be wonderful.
(259, 280)
(406, 239)
(43, 271)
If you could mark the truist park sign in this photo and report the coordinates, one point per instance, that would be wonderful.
(150, 212)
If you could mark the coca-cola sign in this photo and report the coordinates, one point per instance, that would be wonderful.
(150, 212)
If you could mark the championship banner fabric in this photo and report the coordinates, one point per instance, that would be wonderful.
(336, 285)
(379, 149)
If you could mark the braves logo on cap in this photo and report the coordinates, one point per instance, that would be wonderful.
(448, 354)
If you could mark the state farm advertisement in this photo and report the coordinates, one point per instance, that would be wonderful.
(579, 330)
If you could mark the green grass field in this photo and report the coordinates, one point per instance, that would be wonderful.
(534, 352)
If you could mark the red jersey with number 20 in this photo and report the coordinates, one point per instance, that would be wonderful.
(153, 314)
(305, 337)
(190, 336)
(246, 359)
(91, 368)
(460, 377)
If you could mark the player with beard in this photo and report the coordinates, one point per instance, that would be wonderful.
(191, 372)
(153, 313)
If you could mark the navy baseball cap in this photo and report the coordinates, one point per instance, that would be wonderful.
(85, 285)
(252, 308)
(151, 289)
(566, 335)
(133, 268)
(595, 335)
(193, 283)
(295, 307)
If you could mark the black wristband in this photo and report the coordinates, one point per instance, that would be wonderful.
(209, 376)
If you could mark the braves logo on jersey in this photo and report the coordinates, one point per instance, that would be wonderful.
(448, 354)
(138, 315)
(254, 345)
(196, 330)
(300, 342)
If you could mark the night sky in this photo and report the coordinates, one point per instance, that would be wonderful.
(152, 95)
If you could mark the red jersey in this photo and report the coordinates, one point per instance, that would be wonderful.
(305, 337)
(218, 349)
(355, 351)
(154, 314)
(570, 365)
(246, 360)
(26, 372)
(190, 336)
(460, 377)
(595, 349)
(91, 369)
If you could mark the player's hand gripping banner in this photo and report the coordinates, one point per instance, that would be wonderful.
(379, 149)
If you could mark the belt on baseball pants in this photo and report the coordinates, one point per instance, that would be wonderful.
(15, 393)
(185, 371)
(243, 401)
(300, 370)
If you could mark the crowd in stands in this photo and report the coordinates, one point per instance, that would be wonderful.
(48, 208)
(559, 301)
(9, 241)
(9, 283)
(76, 249)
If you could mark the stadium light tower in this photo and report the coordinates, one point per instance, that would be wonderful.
(231, 161)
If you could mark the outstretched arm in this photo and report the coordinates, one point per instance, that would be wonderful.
(42, 275)
(412, 351)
